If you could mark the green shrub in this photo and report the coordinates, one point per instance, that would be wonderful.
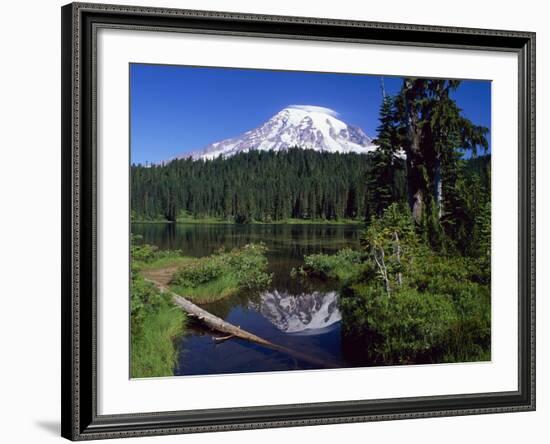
(434, 273)
(223, 274)
(440, 314)
(407, 327)
(470, 336)
(199, 272)
(249, 265)
(144, 299)
(391, 244)
(404, 303)
(344, 265)
(155, 323)
(145, 255)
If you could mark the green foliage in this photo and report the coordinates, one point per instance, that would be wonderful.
(343, 265)
(434, 134)
(153, 352)
(223, 274)
(142, 252)
(383, 178)
(468, 198)
(150, 256)
(405, 303)
(185, 218)
(199, 272)
(249, 265)
(154, 322)
(482, 241)
(407, 327)
(391, 243)
(440, 314)
(257, 186)
(144, 300)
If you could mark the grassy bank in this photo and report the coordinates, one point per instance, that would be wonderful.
(156, 324)
(223, 274)
(313, 222)
(401, 302)
(215, 221)
(205, 279)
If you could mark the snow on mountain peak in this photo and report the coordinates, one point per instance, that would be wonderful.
(302, 126)
(314, 109)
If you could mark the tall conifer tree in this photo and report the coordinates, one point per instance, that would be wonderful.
(380, 182)
(434, 135)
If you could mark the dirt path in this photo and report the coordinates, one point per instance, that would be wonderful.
(161, 276)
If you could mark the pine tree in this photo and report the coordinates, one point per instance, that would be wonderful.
(381, 183)
(434, 134)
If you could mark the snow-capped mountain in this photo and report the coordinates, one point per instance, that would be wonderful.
(299, 313)
(304, 126)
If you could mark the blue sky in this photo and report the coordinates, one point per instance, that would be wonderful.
(176, 109)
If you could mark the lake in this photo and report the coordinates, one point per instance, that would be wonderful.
(299, 314)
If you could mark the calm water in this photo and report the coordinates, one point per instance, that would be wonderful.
(300, 315)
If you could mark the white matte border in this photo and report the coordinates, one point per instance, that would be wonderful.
(118, 394)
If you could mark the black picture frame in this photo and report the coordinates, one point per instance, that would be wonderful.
(80, 420)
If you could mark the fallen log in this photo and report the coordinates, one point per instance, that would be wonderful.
(220, 325)
(220, 339)
(214, 322)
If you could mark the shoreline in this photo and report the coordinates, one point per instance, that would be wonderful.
(285, 222)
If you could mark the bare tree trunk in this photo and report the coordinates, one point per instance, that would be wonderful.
(413, 151)
(397, 247)
(382, 267)
(418, 206)
(438, 188)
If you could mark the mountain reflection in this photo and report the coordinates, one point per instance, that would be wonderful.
(307, 312)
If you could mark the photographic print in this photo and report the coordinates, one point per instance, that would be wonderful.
(287, 220)
(276, 221)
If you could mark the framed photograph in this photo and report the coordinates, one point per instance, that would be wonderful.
(275, 221)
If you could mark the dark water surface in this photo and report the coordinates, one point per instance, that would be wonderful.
(302, 315)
